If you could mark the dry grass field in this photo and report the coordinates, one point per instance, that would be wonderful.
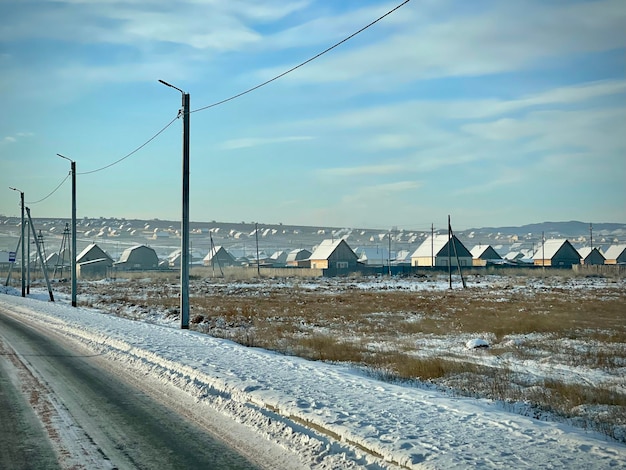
(557, 342)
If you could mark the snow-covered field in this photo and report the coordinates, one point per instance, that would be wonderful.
(336, 416)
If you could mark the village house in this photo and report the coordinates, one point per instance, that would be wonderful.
(441, 251)
(556, 253)
(335, 255)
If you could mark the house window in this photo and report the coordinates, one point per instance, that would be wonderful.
(342, 264)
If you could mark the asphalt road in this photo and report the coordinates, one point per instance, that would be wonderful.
(46, 386)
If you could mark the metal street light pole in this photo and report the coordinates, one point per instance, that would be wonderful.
(184, 261)
(73, 250)
(23, 243)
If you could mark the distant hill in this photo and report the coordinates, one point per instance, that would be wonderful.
(564, 229)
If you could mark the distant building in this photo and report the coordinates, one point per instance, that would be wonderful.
(218, 256)
(138, 258)
(93, 262)
(373, 255)
(556, 253)
(91, 253)
(299, 258)
(437, 250)
(590, 256)
(278, 259)
(482, 254)
(335, 255)
(615, 254)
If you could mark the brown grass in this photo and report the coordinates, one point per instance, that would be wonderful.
(383, 330)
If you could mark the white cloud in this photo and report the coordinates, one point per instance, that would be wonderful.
(256, 142)
(508, 37)
(364, 170)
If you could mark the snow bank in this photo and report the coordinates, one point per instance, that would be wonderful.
(331, 416)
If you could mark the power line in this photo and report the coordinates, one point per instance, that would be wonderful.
(244, 92)
(134, 151)
(302, 63)
(53, 191)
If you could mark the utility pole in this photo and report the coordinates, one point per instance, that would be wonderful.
(73, 249)
(184, 262)
(449, 256)
(389, 253)
(256, 234)
(28, 258)
(23, 242)
(432, 245)
(591, 235)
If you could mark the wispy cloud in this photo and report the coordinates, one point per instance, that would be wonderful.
(361, 170)
(259, 141)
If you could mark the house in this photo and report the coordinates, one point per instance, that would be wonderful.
(91, 253)
(557, 253)
(615, 254)
(483, 254)
(590, 256)
(403, 258)
(373, 256)
(278, 259)
(138, 258)
(437, 250)
(299, 258)
(334, 255)
(93, 262)
(218, 256)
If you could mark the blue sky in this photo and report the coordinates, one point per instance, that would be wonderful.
(497, 113)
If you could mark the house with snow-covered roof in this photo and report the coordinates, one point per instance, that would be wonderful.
(482, 254)
(299, 257)
(590, 256)
(615, 254)
(441, 251)
(373, 255)
(218, 256)
(556, 253)
(333, 254)
(138, 258)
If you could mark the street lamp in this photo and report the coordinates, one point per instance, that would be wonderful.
(73, 250)
(24, 261)
(184, 262)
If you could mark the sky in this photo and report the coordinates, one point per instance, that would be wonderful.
(495, 113)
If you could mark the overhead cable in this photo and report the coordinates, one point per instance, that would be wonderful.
(53, 191)
(134, 151)
(302, 63)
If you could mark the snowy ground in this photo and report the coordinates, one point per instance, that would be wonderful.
(330, 416)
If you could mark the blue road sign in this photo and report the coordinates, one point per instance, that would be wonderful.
(11, 256)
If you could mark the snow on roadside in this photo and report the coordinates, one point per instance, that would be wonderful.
(377, 424)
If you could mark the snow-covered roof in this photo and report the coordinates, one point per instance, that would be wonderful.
(325, 248)
(433, 245)
(614, 251)
(549, 248)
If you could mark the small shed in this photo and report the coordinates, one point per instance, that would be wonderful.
(483, 254)
(138, 258)
(590, 256)
(333, 254)
(615, 254)
(437, 250)
(556, 253)
(218, 256)
(299, 258)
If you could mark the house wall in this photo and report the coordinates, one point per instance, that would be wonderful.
(594, 258)
(342, 258)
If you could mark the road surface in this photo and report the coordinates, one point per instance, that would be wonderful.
(60, 409)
